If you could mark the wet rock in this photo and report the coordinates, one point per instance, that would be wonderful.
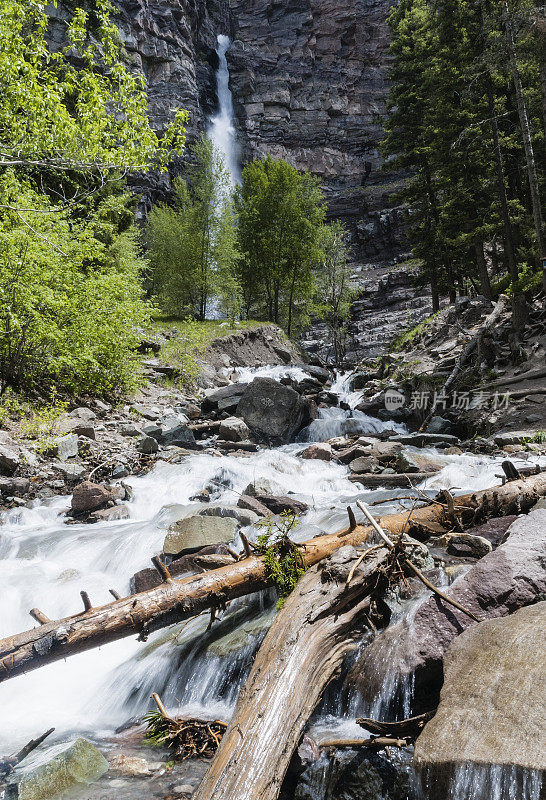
(242, 516)
(147, 445)
(263, 486)
(153, 429)
(512, 437)
(322, 452)
(76, 767)
(425, 439)
(252, 504)
(146, 579)
(175, 431)
(234, 430)
(417, 462)
(110, 514)
(90, 496)
(14, 486)
(364, 464)
(494, 530)
(320, 373)
(439, 425)
(510, 577)
(274, 411)
(191, 533)
(465, 545)
(241, 636)
(283, 503)
(385, 452)
(132, 766)
(494, 691)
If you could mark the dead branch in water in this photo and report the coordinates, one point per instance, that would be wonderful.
(185, 738)
(8, 764)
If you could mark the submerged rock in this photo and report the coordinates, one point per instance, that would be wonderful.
(77, 766)
(493, 701)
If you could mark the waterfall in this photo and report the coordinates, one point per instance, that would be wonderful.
(221, 129)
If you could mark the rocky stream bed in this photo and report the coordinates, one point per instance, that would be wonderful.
(194, 473)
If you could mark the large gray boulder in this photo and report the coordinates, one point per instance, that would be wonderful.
(273, 410)
(72, 769)
(192, 533)
(224, 399)
(411, 652)
(493, 701)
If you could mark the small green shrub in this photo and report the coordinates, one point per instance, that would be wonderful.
(282, 557)
(41, 422)
(539, 437)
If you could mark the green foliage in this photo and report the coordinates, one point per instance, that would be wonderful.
(70, 296)
(333, 289)
(539, 437)
(193, 243)
(78, 107)
(453, 93)
(281, 556)
(41, 422)
(281, 214)
(406, 337)
(185, 350)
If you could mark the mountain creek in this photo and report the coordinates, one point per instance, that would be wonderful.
(197, 668)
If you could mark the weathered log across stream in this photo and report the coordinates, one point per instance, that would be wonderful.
(176, 600)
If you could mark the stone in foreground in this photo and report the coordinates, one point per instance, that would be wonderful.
(191, 533)
(76, 767)
(493, 702)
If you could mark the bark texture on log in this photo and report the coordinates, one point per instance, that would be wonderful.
(176, 600)
(301, 653)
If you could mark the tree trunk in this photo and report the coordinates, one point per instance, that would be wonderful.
(526, 132)
(485, 283)
(175, 600)
(301, 653)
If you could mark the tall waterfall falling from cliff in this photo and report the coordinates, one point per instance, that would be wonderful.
(221, 129)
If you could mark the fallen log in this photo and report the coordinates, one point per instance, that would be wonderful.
(175, 600)
(400, 480)
(299, 656)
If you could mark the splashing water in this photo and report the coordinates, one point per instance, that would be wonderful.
(221, 130)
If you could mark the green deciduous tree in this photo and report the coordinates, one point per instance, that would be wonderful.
(280, 213)
(333, 288)
(193, 242)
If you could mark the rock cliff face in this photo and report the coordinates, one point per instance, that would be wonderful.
(309, 85)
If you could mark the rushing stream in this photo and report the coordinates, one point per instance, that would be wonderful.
(45, 563)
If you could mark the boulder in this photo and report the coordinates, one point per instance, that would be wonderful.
(439, 425)
(492, 705)
(467, 545)
(263, 486)
(110, 514)
(129, 429)
(417, 462)
(175, 431)
(242, 516)
(494, 530)
(320, 373)
(147, 445)
(149, 578)
(90, 496)
(83, 414)
(250, 503)
(10, 459)
(234, 429)
(283, 503)
(72, 473)
(65, 447)
(192, 533)
(72, 769)
(411, 651)
(17, 487)
(322, 452)
(224, 399)
(364, 464)
(86, 430)
(385, 452)
(274, 411)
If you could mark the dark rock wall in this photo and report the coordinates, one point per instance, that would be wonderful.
(309, 80)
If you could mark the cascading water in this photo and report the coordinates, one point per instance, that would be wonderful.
(221, 129)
